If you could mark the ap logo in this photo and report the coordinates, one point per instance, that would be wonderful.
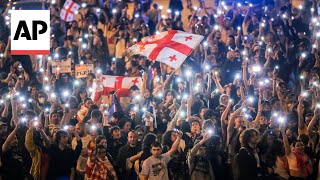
(30, 32)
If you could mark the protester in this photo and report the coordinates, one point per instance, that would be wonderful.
(237, 97)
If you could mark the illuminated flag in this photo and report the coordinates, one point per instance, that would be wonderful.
(120, 84)
(68, 10)
(170, 47)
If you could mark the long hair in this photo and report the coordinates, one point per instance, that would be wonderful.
(166, 140)
(246, 136)
(148, 140)
(58, 136)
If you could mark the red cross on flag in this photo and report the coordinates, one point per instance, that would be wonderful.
(68, 10)
(170, 47)
(120, 84)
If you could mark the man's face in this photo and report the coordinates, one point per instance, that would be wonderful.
(80, 130)
(156, 151)
(254, 139)
(101, 153)
(55, 118)
(132, 139)
(308, 119)
(218, 35)
(34, 90)
(103, 142)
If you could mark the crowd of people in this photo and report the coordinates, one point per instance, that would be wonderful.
(244, 105)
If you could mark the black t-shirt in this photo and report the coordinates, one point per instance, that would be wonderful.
(125, 152)
(60, 162)
(13, 166)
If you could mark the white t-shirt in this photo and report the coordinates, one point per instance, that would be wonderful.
(156, 168)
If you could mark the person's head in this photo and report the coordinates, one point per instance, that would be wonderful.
(209, 114)
(30, 115)
(87, 102)
(82, 94)
(308, 117)
(298, 146)
(195, 126)
(115, 132)
(132, 138)
(101, 140)
(148, 140)
(125, 125)
(254, 18)
(34, 91)
(101, 152)
(42, 97)
(3, 129)
(88, 54)
(55, 117)
(90, 78)
(231, 40)
(249, 138)
(74, 24)
(96, 115)
(116, 116)
(73, 102)
(61, 138)
(224, 99)
(207, 127)
(80, 128)
(64, 77)
(155, 6)
(202, 110)
(156, 149)
(304, 138)
(217, 35)
(239, 121)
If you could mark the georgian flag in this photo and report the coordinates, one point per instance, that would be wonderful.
(68, 10)
(170, 47)
(120, 84)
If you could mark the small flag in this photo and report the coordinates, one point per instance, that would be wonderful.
(68, 10)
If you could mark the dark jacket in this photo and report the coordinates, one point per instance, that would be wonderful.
(247, 165)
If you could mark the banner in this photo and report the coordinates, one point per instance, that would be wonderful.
(120, 84)
(61, 66)
(171, 47)
(82, 70)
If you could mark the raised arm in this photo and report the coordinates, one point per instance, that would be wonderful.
(195, 148)
(216, 80)
(285, 141)
(301, 124)
(9, 139)
(175, 145)
(313, 120)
